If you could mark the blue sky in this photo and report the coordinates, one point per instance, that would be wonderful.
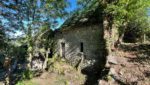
(73, 6)
(149, 12)
(60, 21)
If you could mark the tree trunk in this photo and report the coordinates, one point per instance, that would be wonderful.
(7, 66)
(120, 38)
(46, 59)
(121, 33)
(144, 38)
(112, 34)
(80, 62)
(7, 78)
(29, 45)
(29, 61)
(28, 35)
(106, 37)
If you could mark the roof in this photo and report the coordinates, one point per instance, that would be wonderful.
(83, 19)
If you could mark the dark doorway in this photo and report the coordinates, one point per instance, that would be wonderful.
(50, 54)
(81, 47)
(63, 49)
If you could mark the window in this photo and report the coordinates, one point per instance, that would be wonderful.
(81, 47)
(63, 49)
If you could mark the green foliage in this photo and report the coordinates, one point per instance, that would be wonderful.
(55, 58)
(44, 39)
(28, 16)
(59, 65)
(121, 13)
(110, 79)
(20, 41)
(124, 10)
(27, 74)
(20, 83)
(46, 35)
(26, 83)
(66, 82)
(119, 10)
(138, 25)
(2, 38)
(54, 65)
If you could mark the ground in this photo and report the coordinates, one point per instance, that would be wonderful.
(56, 79)
(132, 68)
(59, 73)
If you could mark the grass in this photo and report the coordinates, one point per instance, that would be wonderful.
(29, 82)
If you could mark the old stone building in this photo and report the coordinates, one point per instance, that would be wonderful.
(84, 39)
(80, 36)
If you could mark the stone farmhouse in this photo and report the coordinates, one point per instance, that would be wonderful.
(80, 34)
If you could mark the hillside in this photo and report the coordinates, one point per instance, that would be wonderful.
(132, 67)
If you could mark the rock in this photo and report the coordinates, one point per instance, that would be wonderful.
(114, 77)
(145, 56)
(112, 71)
(89, 62)
(102, 82)
(37, 64)
(74, 60)
(123, 65)
(122, 71)
(110, 78)
(1, 83)
(112, 60)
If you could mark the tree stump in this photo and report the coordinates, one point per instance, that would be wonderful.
(80, 63)
(7, 65)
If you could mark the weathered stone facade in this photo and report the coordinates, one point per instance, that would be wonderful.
(87, 39)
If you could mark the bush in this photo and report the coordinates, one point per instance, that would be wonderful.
(26, 83)
(27, 74)
(20, 83)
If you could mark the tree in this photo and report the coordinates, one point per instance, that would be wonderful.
(27, 16)
(35, 13)
(115, 15)
(137, 27)
(8, 23)
(2, 35)
(44, 43)
(131, 8)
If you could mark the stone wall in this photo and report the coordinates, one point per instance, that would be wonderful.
(90, 36)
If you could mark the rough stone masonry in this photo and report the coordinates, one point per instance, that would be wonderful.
(70, 42)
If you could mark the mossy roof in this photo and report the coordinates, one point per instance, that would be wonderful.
(83, 19)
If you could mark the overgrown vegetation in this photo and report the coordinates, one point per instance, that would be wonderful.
(120, 20)
(57, 64)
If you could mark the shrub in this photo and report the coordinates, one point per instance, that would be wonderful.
(26, 83)
(20, 83)
(27, 74)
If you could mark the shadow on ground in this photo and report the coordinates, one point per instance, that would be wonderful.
(139, 48)
(98, 72)
(94, 72)
(142, 52)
